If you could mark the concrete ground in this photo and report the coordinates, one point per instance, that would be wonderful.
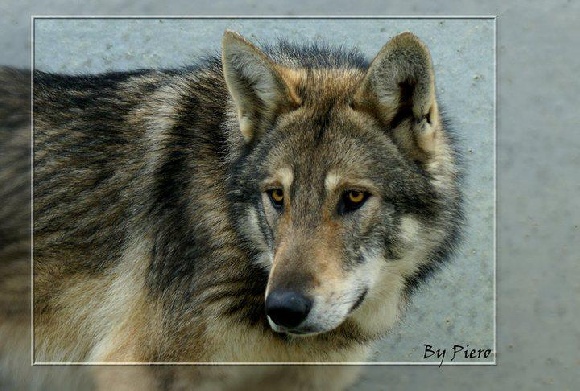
(537, 224)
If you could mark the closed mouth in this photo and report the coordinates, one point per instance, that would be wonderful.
(301, 333)
(294, 332)
(305, 332)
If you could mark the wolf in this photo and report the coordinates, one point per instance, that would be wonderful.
(275, 205)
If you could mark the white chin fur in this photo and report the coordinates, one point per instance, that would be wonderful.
(280, 329)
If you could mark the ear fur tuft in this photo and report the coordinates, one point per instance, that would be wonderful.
(400, 87)
(255, 83)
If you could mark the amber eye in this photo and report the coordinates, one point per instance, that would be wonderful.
(355, 196)
(352, 200)
(277, 197)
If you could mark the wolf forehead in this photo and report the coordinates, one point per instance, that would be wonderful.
(319, 67)
(322, 76)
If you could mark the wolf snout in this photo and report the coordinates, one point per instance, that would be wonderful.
(287, 308)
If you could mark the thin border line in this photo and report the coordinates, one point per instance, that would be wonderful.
(495, 190)
(251, 17)
(220, 17)
(32, 190)
(260, 363)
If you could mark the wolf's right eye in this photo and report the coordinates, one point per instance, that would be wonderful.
(352, 200)
(277, 198)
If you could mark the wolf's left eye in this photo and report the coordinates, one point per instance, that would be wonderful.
(351, 200)
(276, 197)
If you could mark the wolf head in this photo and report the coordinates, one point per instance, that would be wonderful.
(344, 177)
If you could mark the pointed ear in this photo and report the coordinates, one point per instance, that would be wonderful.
(400, 86)
(256, 84)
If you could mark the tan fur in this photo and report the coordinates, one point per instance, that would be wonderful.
(244, 345)
(112, 316)
(124, 378)
(264, 378)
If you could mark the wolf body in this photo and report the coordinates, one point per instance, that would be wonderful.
(274, 205)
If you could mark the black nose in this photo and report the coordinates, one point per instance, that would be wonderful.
(287, 308)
